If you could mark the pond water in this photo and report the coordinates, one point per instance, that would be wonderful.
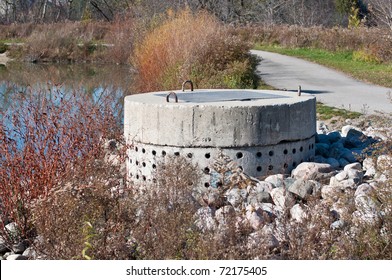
(86, 79)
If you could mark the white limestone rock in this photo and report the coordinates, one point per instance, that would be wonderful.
(297, 213)
(204, 219)
(282, 198)
(312, 171)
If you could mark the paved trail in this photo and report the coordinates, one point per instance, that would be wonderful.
(330, 87)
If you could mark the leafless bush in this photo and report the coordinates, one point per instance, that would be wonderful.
(46, 135)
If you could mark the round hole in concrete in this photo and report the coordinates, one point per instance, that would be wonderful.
(154, 180)
(258, 154)
(137, 163)
(144, 178)
(137, 177)
(285, 151)
(154, 152)
(207, 155)
(270, 167)
(130, 160)
(143, 151)
(301, 149)
(190, 155)
(206, 170)
(294, 151)
(206, 184)
(144, 164)
(271, 153)
(259, 169)
(154, 166)
(163, 153)
(177, 154)
(239, 155)
(136, 149)
(312, 146)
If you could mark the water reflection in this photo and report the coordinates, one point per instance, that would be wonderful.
(92, 80)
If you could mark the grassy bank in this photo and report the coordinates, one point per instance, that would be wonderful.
(353, 63)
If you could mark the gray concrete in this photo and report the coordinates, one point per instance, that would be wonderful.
(264, 132)
(328, 86)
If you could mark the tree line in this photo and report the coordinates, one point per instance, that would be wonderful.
(299, 12)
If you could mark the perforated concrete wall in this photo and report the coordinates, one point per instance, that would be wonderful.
(264, 132)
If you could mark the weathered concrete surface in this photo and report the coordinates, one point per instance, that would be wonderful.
(219, 122)
(264, 132)
(330, 87)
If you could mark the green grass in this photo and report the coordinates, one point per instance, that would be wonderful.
(371, 72)
(325, 112)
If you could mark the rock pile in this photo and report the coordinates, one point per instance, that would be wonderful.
(343, 181)
(340, 188)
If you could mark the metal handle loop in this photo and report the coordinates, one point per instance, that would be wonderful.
(186, 82)
(175, 97)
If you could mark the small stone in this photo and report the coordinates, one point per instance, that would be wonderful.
(333, 162)
(30, 253)
(322, 149)
(19, 248)
(205, 219)
(347, 128)
(320, 159)
(356, 139)
(355, 166)
(263, 237)
(343, 162)
(334, 136)
(349, 156)
(312, 171)
(367, 204)
(339, 224)
(3, 246)
(322, 138)
(341, 176)
(282, 198)
(344, 184)
(254, 218)
(16, 257)
(12, 230)
(356, 175)
(297, 213)
(364, 189)
(235, 197)
(302, 188)
(328, 192)
(277, 180)
(264, 186)
(224, 215)
(369, 166)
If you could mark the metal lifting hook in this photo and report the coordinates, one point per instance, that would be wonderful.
(170, 94)
(186, 82)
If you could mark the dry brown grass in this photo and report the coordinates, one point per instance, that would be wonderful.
(196, 47)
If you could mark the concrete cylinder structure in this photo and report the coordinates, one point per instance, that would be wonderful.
(264, 132)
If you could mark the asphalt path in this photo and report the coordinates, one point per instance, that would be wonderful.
(330, 87)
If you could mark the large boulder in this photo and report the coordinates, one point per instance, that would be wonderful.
(313, 171)
(282, 198)
(303, 188)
